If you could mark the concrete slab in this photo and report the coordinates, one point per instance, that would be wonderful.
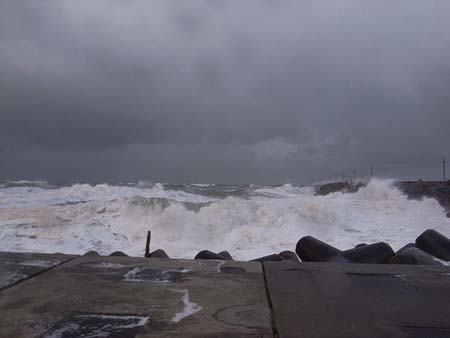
(137, 297)
(320, 300)
(16, 267)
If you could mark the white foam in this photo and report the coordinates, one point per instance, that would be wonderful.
(445, 263)
(62, 331)
(31, 196)
(403, 277)
(101, 331)
(39, 263)
(183, 270)
(272, 219)
(189, 307)
(138, 321)
(221, 263)
(132, 275)
(106, 265)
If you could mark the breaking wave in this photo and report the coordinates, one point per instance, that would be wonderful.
(248, 221)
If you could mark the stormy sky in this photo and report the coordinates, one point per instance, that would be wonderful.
(223, 91)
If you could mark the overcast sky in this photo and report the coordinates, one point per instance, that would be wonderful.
(223, 91)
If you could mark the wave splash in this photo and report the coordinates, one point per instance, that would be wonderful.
(249, 222)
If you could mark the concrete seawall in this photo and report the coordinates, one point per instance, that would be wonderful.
(413, 189)
(59, 296)
(419, 189)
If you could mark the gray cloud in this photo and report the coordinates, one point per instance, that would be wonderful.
(224, 91)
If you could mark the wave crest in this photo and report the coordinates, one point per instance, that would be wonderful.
(262, 221)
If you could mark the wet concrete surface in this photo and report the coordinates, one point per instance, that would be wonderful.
(138, 297)
(63, 296)
(18, 267)
(312, 300)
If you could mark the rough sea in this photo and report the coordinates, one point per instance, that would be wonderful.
(249, 221)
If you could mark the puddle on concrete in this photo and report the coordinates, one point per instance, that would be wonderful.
(142, 274)
(249, 315)
(39, 263)
(96, 326)
(10, 278)
(105, 265)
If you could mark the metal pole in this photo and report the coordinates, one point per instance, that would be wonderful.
(354, 175)
(371, 171)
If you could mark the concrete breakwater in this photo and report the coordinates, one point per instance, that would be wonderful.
(419, 189)
(343, 186)
(66, 296)
(413, 189)
(430, 248)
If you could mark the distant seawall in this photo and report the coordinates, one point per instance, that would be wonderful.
(413, 189)
(345, 186)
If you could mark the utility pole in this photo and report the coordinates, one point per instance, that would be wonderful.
(371, 171)
(443, 168)
(354, 175)
(343, 176)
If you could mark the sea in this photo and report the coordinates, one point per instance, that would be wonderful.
(249, 221)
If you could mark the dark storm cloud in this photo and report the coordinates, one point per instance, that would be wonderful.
(223, 90)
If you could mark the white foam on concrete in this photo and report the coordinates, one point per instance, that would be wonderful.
(402, 277)
(220, 265)
(189, 307)
(39, 263)
(106, 265)
(132, 275)
(136, 321)
(58, 333)
(104, 330)
(445, 263)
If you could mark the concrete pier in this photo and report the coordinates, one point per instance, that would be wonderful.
(62, 296)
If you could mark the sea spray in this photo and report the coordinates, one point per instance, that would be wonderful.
(248, 221)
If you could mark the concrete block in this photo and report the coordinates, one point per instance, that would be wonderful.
(435, 244)
(310, 249)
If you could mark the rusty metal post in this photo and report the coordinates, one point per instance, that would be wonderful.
(147, 244)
